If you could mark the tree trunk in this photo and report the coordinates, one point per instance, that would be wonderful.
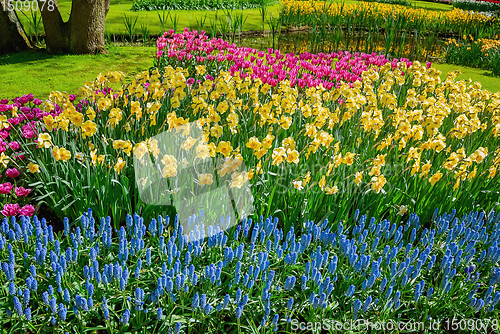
(57, 34)
(12, 36)
(87, 22)
(83, 33)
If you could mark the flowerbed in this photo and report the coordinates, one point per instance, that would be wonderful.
(477, 5)
(252, 277)
(482, 53)
(17, 120)
(365, 15)
(304, 70)
(397, 140)
(199, 4)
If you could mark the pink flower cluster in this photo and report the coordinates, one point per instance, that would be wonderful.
(15, 209)
(304, 70)
(22, 115)
(6, 188)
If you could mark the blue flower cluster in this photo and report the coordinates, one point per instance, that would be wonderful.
(140, 273)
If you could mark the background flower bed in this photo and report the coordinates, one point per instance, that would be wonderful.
(17, 120)
(253, 277)
(199, 4)
(483, 53)
(477, 5)
(396, 19)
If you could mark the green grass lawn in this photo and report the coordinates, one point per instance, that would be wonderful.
(191, 18)
(40, 73)
(186, 18)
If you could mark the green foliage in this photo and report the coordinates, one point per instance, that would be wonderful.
(471, 54)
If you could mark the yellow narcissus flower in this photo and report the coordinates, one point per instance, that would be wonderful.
(200, 69)
(169, 170)
(202, 151)
(379, 160)
(254, 143)
(205, 179)
(492, 172)
(358, 177)
(4, 160)
(288, 143)
(89, 128)
(216, 131)
(90, 114)
(348, 158)
(278, 156)
(260, 153)
(425, 168)
(62, 122)
(136, 109)
(169, 160)
(285, 122)
(103, 103)
(115, 116)
(322, 182)
(77, 118)
(49, 122)
(374, 171)
(225, 148)
(377, 183)
(479, 155)
(140, 149)
(44, 140)
(124, 145)
(238, 179)
(436, 177)
(292, 156)
(119, 165)
(33, 168)
(61, 153)
(4, 123)
(307, 178)
(332, 190)
(268, 141)
(188, 143)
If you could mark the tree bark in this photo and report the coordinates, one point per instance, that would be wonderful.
(83, 33)
(12, 36)
(57, 35)
(87, 23)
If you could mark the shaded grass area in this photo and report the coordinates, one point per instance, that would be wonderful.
(191, 18)
(40, 73)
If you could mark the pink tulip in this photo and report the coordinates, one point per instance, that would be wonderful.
(20, 191)
(5, 188)
(10, 210)
(27, 210)
(12, 172)
(14, 145)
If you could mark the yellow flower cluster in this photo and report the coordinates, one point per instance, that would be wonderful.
(485, 43)
(378, 11)
(433, 130)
